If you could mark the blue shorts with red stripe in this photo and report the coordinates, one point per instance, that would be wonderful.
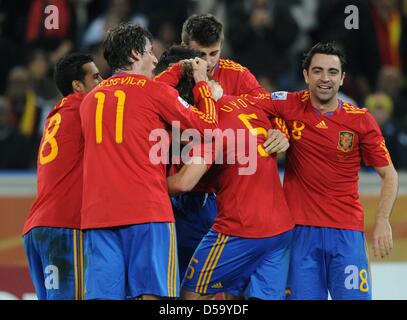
(328, 260)
(127, 262)
(55, 262)
(253, 268)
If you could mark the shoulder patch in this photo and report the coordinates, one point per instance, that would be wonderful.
(183, 102)
(279, 95)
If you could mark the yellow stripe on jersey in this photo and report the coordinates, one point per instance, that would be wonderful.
(386, 151)
(348, 108)
(204, 98)
(210, 114)
(282, 125)
(212, 268)
(208, 258)
(228, 64)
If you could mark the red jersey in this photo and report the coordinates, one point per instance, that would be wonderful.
(59, 169)
(234, 78)
(321, 171)
(122, 185)
(252, 205)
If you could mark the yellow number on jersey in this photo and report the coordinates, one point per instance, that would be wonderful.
(121, 98)
(245, 118)
(49, 138)
(296, 133)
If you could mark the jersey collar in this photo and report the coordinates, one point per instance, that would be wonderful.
(330, 113)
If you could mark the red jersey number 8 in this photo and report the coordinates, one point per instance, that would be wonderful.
(49, 139)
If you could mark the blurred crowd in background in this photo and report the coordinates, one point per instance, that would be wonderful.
(267, 36)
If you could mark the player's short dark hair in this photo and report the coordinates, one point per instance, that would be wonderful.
(202, 28)
(68, 69)
(121, 40)
(329, 48)
(173, 55)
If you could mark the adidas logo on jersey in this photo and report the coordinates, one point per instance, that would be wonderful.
(322, 125)
(217, 285)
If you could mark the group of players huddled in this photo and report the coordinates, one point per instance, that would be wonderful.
(110, 223)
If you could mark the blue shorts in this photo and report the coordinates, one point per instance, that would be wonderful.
(254, 268)
(328, 259)
(194, 214)
(130, 261)
(55, 262)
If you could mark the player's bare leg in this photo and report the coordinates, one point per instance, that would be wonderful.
(188, 295)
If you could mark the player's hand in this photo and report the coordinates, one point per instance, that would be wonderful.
(216, 88)
(276, 142)
(382, 238)
(199, 69)
(186, 66)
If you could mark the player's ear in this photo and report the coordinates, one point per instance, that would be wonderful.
(342, 77)
(135, 55)
(305, 73)
(77, 86)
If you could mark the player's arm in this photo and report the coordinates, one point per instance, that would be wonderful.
(278, 139)
(382, 233)
(186, 178)
(170, 76)
(277, 105)
(174, 108)
(375, 154)
(248, 84)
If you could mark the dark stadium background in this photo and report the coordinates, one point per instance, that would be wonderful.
(273, 53)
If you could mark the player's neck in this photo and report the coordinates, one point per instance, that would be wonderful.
(324, 107)
(132, 70)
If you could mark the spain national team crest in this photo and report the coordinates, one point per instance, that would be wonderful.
(345, 142)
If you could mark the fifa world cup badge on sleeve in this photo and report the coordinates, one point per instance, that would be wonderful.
(279, 95)
(183, 102)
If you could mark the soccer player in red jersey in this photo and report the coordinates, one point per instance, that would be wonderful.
(247, 249)
(130, 241)
(196, 211)
(329, 139)
(52, 239)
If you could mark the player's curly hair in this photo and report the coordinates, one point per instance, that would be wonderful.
(187, 82)
(330, 48)
(121, 40)
(68, 69)
(202, 28)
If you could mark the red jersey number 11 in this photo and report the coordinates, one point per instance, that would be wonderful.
(121, 98)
